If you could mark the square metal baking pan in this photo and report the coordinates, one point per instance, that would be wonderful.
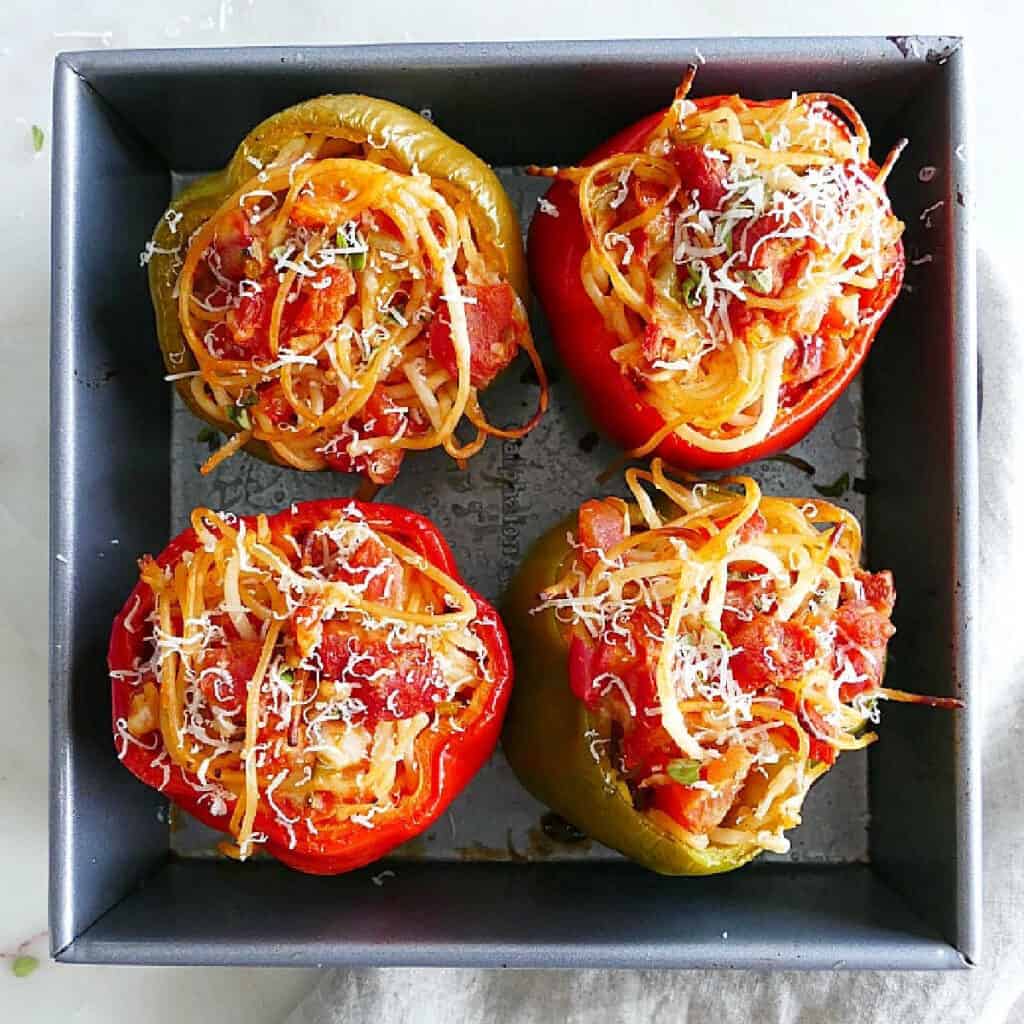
(903, 891)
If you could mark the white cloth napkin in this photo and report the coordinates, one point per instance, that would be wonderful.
(992, 993)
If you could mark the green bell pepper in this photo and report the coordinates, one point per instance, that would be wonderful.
(411, 140)
(549, 735)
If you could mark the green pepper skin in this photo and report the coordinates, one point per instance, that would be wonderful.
(412, 141)
(545, 736)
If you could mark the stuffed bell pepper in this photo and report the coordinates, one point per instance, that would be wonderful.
(690, 662)
(716, 273)
(343, 291)
(319, 683)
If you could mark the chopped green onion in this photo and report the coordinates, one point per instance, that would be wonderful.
(687, 290)
(836, 489)
(38, 138)
(684, 771)
(288, 675)
(23, 966)
(722, 638)
(240, 416)
(248, 398)
(727, 237)
(347, 237)
(760, 280)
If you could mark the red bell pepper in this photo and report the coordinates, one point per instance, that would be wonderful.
(557, 244)
(446, 759)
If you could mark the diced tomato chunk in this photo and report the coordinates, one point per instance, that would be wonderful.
(699, 810)
(391, 683)
(225, 673)
(321, 303)
(754, 526)
(819, 750)
(863, 631)
(381, 466)
(247, 324)
(601, 527)
(274, 405)
(743, 600)
(378, 418)
(647, 746)
(864, 625)
(701, 173)
(878, 589)
(772, 651)
(375, 571)
(493, 336)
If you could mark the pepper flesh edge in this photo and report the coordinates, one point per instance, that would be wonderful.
(545, 735)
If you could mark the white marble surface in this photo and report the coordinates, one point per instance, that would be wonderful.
(31, 31)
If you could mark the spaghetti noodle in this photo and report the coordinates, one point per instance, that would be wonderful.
(727, 645)
(300, 676)
(339, 304)
(741, 255)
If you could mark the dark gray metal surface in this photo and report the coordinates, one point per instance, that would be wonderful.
(122, 120)
(923, 521)
(108, 482)
(527, 915)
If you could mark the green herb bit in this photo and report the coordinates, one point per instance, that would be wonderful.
(836, 489)
(38, 138)
(722, 638)
(812, 763)
(23, 966)
(727, 237)
(209, 437)
(288, 675)
(356, 260)
(240, 416)
(248, 398)
(761, 280)
(684, 771)
(689, 289)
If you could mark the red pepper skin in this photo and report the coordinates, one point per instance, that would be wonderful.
(453, 761)
(614, 402)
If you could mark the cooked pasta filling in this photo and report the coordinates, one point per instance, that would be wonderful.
(728, 645)
(736, 254)
(296, 672)
(343, 310)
